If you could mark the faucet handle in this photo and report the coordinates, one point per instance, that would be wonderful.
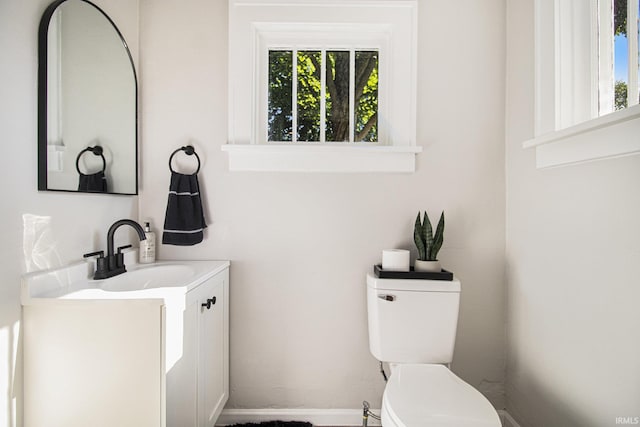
(99, 254)
(101, 263)
(120, 248)
(120, 256)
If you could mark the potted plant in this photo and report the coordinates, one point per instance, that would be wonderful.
(428, 244)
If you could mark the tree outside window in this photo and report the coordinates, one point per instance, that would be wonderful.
(346, 119)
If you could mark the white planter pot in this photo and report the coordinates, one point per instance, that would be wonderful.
(427, 266)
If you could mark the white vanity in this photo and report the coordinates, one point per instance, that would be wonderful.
(149, 347)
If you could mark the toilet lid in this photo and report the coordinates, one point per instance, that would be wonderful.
(432, 395)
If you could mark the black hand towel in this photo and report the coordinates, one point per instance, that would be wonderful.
(94, 183)
(184, 220)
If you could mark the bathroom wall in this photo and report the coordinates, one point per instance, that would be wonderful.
(573, 257)
(300, 243)
(79, 222)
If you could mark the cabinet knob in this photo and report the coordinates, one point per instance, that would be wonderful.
(209, 303)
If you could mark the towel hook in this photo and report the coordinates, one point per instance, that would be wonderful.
(189, 151)
(97, 151)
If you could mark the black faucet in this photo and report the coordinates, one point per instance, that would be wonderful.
(113, 263)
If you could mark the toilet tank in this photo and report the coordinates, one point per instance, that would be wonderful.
(412, 321)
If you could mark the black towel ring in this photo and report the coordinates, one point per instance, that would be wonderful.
(189, 151)
(97, 151)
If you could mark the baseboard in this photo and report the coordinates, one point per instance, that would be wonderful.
(507, 420)
(317, 417)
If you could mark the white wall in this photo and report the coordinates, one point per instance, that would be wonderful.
(301, 244)
(79, 221)
(573, 256)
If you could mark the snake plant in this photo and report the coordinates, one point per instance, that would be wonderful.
(427, 243)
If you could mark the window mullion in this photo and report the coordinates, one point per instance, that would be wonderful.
(605, 53)
(352, 96)
(294, 95)
(632, 37)
(595, 59)
(323, 94)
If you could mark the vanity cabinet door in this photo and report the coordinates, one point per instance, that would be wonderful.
(197, 355)
(213, 360)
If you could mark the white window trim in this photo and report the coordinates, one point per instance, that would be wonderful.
(613, 135)
(633, 47)
(336, 158)
(255, 25)
(557, 29)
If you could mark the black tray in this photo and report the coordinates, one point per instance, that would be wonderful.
(423, 275)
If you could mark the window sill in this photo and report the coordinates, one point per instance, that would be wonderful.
(321, 158)
(608, 136)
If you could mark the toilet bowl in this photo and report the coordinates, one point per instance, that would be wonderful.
(432, 395)
(412, 325)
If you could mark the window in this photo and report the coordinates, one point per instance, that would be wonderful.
(587, 94)
(322, 86)
(325, 95)
(618, 54)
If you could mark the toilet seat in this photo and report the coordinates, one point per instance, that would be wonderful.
(433, 396)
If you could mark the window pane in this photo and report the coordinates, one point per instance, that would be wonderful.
(620, 55)
(337, 96)
(309, 95)
(366, 96)
(280, 111)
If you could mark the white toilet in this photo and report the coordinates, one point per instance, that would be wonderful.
(412, 325)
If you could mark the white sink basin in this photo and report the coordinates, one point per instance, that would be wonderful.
(140, 281)
(148, 277)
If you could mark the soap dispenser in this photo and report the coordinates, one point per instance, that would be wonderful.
(148, 246)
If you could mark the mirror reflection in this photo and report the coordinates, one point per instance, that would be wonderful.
(87, 102)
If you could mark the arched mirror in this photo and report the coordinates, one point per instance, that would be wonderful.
(87, 102)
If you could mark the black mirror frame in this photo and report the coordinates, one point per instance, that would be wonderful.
(43, 31)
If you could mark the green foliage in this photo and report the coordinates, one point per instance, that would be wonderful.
(620, 95)
(280, 105)
(427, 243)
(366, 123)
(620, 17)
(337, 96)
(308, 95)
